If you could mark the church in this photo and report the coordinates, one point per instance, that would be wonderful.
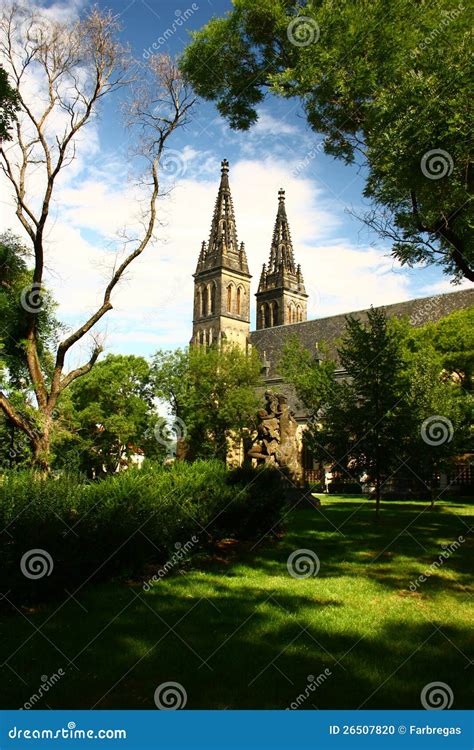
(222, 299)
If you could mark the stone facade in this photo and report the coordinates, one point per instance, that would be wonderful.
(222, 279)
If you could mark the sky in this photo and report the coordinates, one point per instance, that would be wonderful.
(345, 267)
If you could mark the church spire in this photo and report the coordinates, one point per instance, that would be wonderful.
(281, 252)
(222, 278)
(223, 236)
(281, 295)
(222, 249)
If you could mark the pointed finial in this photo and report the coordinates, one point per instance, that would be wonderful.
(224, 166)
(281, 195)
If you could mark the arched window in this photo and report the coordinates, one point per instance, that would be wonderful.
(204, 301)
(267, 316)
(299, 315)
(274, 314)
(201, 338)
(213, 299)
(288, 313)
(239, 300)
(229, 298)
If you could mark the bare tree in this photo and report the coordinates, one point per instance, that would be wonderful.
(62, 72)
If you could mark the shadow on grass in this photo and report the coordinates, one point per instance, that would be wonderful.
(247, 635)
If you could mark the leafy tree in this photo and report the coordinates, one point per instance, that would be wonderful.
(438, 367)
(385, 83)
(8, 105)
(15, 278)
(211, 392)
(107, 414)
(406, 402)
(360, 422)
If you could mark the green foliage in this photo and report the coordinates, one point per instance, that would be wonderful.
(115, 526)
(108, 415)
(374, 420)
(360, 609)
(8, 106)
(15, 283)
(211, 390)
(384, 83)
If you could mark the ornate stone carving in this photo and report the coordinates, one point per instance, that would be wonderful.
(276, 441)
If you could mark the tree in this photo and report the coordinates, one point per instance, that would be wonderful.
(405, 403)
(107, 416)
(386, 84)
(15, 277)
(8, 106)
(360, 422)
(438, 364)
(62, 72)
(211, 392)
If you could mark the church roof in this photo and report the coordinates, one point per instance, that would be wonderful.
(269, 342)
(222, 249)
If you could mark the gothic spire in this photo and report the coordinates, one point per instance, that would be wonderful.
(223, 236)
(281, 252)
(223, 250)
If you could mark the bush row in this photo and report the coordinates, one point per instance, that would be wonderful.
(84, 531)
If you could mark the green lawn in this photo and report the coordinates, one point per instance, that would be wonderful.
(239, 632)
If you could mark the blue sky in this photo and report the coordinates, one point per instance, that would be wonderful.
(344, 266)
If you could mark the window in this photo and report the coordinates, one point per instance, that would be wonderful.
(267, 316)
(204, 301)
(239, 300)
(229, 298)
(213, 299)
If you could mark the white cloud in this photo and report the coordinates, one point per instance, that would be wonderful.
(153, 305)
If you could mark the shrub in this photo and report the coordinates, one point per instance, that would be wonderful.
(116, 525)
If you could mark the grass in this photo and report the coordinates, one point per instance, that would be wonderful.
(237, 631)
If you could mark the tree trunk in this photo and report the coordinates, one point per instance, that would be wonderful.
(41, 444)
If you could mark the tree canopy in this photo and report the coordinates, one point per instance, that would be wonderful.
(404, 404)
(211, 392)
(387, 84)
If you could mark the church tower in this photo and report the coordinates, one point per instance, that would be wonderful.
(281, 296)
(222, 278)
